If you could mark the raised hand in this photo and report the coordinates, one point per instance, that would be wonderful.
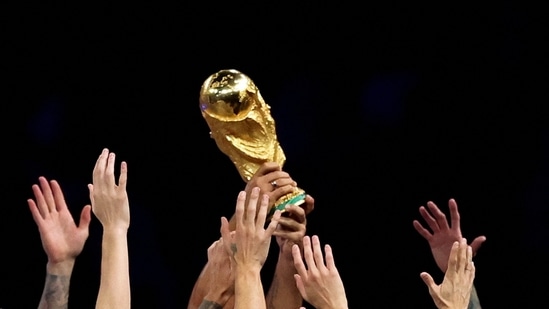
(442, 236)
(318, 282)
(62, 239)
(455, 290)
(110, 205)
(109, 199)
(248, 247)
(221, 290)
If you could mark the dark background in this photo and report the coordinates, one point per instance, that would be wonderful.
(380, 107)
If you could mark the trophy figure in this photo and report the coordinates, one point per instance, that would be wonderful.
(242, 126)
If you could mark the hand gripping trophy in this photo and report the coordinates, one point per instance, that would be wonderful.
(242, 126)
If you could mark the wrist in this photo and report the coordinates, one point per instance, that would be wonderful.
(219, 297)
(115, 230)
(60, 268)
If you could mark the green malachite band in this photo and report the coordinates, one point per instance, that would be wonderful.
(295, 200)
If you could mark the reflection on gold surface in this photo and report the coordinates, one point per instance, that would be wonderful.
(241, 124)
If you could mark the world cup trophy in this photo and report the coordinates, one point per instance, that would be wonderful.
(241, 124)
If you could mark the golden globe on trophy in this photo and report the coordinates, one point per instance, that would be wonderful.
(242, 126)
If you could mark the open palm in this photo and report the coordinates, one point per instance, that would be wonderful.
(441, 235)
(61, 238)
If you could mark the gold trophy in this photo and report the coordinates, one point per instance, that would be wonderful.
(242, 127)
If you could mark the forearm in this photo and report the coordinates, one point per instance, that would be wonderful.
(207, 293)
(283, 292)
(248, 289)
(56, 287)
(114, 288)
(474, 303)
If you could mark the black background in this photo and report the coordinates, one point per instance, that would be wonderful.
(380, 107)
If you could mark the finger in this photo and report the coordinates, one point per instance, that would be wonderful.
(109, 170)
(224, 230)
(251, 211)
(296, 213)
(267, 167)
(462, 255)
(273, 224)
(290, 224)
(421, 230)
(330, 263)
(472, 272)
(123, 179)
(308, 253)
(439, 216)
(293, 236)
(317, 251)
(298, 261)
(100, 165)
(469, 257)
(429, 219)
(476, 243)
(85, 218)
(262, 213)
(452, 260)
(90, 189)
(428, 280)
(58, 197)
(40, 201)
(281, 191)
(279, 176)
(227, 236)
(35, 212)
(47, 194)
(239, 211)
(454, 214)
(309, 204)
(300, 286)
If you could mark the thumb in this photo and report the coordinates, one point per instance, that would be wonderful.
(476, 243)
(90, 188)
(300, 286)
(85, 218)
(428, 280)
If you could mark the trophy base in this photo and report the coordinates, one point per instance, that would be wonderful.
(295, 198)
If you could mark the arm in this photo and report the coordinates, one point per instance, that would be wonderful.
(455, 290)
(442, 236)
(248, 247)
(319, 283)
(221, 289)
(267, 173)
(283, 292)
(110, 205)
(62, 239)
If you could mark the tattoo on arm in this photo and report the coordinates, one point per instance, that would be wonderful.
(207, 304)
(474, 303)
(56, 292)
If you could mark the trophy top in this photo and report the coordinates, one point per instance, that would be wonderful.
(227, 95)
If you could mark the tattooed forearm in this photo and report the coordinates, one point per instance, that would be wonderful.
(474, 303)
(206, 304)
(56, 292)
